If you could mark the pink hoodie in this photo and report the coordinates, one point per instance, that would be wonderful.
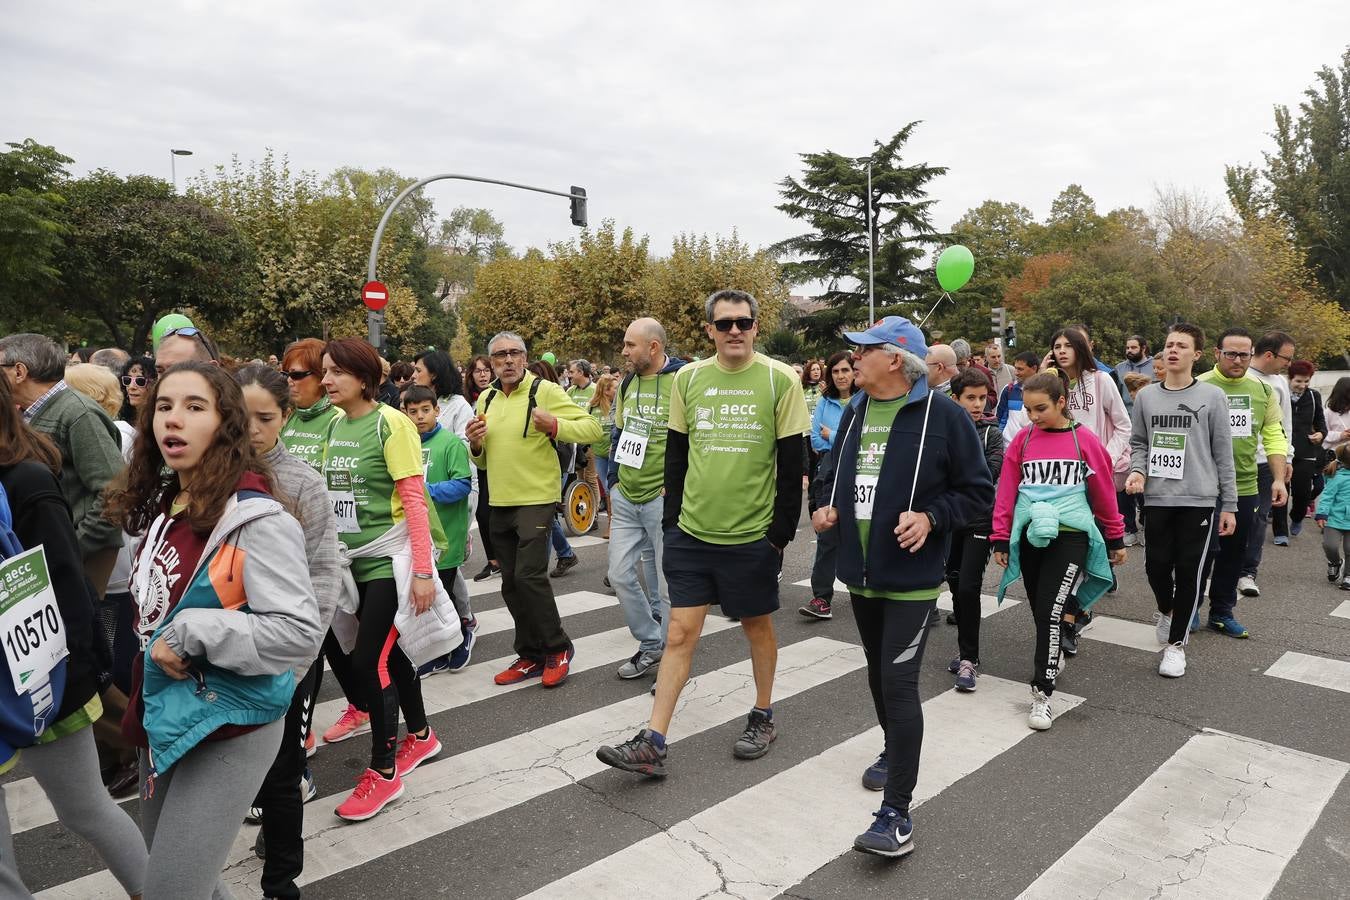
(1051, 459)
(1095, 401)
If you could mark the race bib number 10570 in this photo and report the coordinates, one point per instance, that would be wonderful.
(31, 630)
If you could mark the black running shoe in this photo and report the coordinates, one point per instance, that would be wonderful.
(487, 572)
(758, 735)
(1068, 638)
(638, 754)
(565, 564)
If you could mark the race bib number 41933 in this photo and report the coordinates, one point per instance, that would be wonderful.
(1167, 455)
(31, 629)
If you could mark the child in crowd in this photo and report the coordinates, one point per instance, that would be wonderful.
(969, 551)
(1055, 523)
(449, 477)
(1132, 505)
(1333, 512)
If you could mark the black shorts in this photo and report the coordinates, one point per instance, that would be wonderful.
(741, 578)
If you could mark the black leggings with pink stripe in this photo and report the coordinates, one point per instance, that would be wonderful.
(386, 677)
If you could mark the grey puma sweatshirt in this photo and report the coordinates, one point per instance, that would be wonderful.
(1187, 433)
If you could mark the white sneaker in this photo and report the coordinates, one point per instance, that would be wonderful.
(1039, 718)
(1131, 539)
(1173, 663)
(1247, 587)
(1163, 623)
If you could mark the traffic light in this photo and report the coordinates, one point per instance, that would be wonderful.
(998, 321)
(578, 206)
(1010, 335)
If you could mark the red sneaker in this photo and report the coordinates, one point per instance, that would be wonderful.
(519, 671)
(351, 722)
(373, 793)
(412, 752)
(310, 746)
(556, 667)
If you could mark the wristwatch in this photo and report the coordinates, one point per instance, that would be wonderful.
(424, 575)
(932, 522)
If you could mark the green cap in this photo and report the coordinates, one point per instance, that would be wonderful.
(549, 358)
(167, 324)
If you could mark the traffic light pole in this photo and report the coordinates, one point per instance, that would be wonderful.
(375, 320)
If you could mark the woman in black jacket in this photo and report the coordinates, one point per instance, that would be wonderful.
(1310, 427)
(64, 762)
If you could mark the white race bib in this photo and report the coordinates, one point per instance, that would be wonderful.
(342, 497)
(1167, 456)
(864, 495)
(1240, 416)
(632, 448)
(31, 629)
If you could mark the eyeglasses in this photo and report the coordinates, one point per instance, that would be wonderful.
(1287, 359)
(299, 374)
(185, 331)
(503, 355)
(1235, 355)
(744, 323)
(138, 380)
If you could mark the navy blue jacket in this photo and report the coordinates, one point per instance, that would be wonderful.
(954, 487)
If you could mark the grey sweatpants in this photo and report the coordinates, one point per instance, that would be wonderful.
(67, 771)
(197, 810)
(1336, 545)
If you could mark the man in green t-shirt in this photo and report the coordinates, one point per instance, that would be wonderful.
(581, 380)
(638, 454)
(733, 482)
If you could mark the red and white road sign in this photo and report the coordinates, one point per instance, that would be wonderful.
(375, 295)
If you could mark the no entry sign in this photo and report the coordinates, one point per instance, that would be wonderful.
(375, 295)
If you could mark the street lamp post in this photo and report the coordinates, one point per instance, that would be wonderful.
(375, 320)
(173, 165)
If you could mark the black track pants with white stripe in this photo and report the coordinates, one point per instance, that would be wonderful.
(893, 634)
(1178, 542)
(1052, 574)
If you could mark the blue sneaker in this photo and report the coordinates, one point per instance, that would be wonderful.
(965, 677)
(874, 777)
(1228, 625)
(1195, 621)
(1281, 540)
(1296, 528)
(435, 667)
(889, 835)
(459, 657)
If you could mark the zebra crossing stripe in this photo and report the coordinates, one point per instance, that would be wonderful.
(30, 809)
(769, 837)
(1122, 633)
(1315, 670)
(1342, 611)
(455, 791)
(1224, 811)
(988, 602)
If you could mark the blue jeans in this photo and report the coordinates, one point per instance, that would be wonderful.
(603, 467)
(1256, 541)
(558, 537)
(635, 539)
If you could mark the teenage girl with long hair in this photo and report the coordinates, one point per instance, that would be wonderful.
(480, 376)
(1055, 523)
(224, 618)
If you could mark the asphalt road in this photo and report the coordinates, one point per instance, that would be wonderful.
(1229, 782)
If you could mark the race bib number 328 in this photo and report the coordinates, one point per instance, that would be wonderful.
(31, 630)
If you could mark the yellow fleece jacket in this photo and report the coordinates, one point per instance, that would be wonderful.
(521, 463)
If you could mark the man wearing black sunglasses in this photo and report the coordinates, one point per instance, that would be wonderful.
(733, 487)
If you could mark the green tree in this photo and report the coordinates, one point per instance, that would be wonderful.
(1001, 236)
(1113, 304)
(31, 223)
(1073, 223)
(831, 197)
(1306, 181)
(135, 250)
(511, 294)
(598, 290)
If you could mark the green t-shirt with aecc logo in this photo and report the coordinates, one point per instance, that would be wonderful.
(647, 397)
(306, 433)
(734, 419)
(873, 439)
(445, 457)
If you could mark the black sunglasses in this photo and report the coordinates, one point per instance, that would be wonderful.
(298, 375)
(138, 380)
(745, 323)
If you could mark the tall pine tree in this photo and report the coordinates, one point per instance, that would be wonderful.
(831, 197)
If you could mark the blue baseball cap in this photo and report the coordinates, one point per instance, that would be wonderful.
(896, 330)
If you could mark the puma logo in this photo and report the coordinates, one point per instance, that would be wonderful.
(1194, 412)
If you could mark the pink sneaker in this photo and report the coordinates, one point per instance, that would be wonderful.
(351, 722)
(412, 752)
(373, 793)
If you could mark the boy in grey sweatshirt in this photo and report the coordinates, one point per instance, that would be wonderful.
(1181, 460)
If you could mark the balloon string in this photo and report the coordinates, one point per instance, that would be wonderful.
(945, 296)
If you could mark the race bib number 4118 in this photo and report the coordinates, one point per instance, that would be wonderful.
(31, 630)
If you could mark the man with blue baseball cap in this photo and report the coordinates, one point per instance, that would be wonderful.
(893, 431)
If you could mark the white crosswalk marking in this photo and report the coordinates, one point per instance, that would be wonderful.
(1342, 611)
(1317, 671)
(769, 837)
(1223, 812)
(451, 792)
(988, 602)
(28, 804)
(1122, 633)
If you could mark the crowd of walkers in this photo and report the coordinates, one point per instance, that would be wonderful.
(170, 496)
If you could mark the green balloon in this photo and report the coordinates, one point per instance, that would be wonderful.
(954, 267)
(549, 358)
(166, 324)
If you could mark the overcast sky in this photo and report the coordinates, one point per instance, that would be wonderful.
(677, 117)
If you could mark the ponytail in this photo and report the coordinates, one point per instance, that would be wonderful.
(1051, 381)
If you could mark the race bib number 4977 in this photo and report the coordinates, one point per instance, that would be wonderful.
(31, 630)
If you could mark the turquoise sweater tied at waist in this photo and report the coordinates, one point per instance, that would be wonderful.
(1042, 511)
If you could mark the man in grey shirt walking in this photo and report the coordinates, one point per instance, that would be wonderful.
(1181, 460)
